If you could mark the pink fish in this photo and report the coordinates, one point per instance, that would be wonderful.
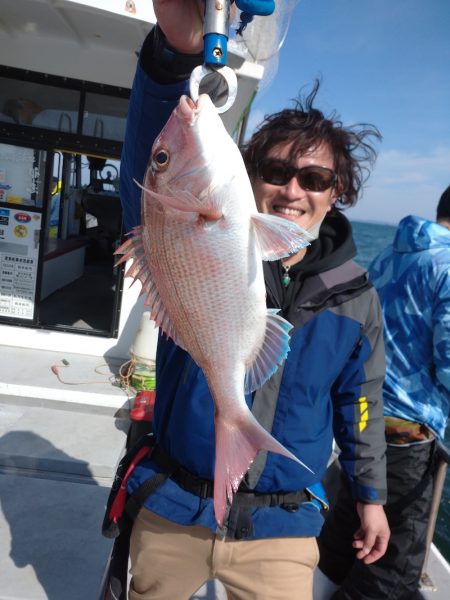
(198, 255)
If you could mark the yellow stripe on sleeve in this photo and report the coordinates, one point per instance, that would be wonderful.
(364, 413)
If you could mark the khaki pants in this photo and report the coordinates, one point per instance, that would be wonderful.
(171, 562)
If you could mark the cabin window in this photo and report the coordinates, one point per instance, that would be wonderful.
(60, 211)
(104, 116)
(38, 105)
(64, 107)
(22, 173)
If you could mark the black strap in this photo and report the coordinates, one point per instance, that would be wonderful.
(137, 499)
(204, 488)
(288, 499)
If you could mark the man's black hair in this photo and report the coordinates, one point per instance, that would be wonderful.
(443, 209)
(306, 127)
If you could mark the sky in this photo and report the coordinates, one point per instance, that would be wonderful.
(385, 62)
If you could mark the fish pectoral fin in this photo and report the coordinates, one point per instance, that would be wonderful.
(272, 353)
(278, 237)
(185, 201)
(237, 445)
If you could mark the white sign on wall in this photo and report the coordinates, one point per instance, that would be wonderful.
(19, 252)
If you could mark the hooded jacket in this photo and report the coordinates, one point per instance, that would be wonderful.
(330, 382)
(412, 277)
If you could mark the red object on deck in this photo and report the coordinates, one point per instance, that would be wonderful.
(143, 406)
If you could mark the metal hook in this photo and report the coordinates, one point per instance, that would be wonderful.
(228, 74)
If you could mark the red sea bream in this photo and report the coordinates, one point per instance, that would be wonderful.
(198, 255)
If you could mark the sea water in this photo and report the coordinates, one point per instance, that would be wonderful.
(370, 239)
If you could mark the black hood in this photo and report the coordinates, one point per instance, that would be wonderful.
(334, 247)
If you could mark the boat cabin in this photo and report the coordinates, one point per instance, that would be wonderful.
(66, 70)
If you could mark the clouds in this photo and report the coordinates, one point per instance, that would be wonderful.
(380, 62)
(404, 183)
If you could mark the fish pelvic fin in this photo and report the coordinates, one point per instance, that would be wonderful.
(133, 249)
(278, 237)
(237, 445)
(272, 353)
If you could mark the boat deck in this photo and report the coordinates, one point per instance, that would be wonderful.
(60, 442)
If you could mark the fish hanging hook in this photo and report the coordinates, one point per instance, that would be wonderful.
(215, 36)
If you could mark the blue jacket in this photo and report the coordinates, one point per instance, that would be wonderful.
(332, 377)
(412, 277)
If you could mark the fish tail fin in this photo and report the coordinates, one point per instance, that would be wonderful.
(237, 445)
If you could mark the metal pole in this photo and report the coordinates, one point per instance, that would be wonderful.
(215, 29)
(443, 456)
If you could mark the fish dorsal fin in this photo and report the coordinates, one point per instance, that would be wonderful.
(273, 351)
(278, 237)
(133, 249)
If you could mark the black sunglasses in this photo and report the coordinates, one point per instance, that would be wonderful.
(311, 178)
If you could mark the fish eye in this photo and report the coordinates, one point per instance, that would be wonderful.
(161, 159)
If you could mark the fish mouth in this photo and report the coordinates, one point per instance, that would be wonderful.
(204, 101)
(187, 106)
(187, 109)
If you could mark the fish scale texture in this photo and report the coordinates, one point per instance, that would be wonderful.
(205, 289)
(203, 277)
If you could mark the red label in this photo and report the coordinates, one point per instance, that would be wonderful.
(22, 217)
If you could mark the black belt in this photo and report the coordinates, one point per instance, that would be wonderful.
(204, 488)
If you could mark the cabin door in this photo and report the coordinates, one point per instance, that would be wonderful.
(80, 287)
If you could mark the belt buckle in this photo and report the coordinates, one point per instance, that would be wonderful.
(204, 490)
(321, 504)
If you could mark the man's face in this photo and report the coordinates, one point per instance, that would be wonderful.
(291, 201)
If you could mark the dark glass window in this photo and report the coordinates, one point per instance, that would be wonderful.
(39, 105)
(104, 116)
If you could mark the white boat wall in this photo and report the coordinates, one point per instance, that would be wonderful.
(96, 42)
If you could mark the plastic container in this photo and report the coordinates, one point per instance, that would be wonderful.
(143, 406)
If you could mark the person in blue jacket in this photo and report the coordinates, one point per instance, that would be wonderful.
(412, 277)
(301, 165)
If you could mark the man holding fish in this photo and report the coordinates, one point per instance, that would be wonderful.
(271, 336)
